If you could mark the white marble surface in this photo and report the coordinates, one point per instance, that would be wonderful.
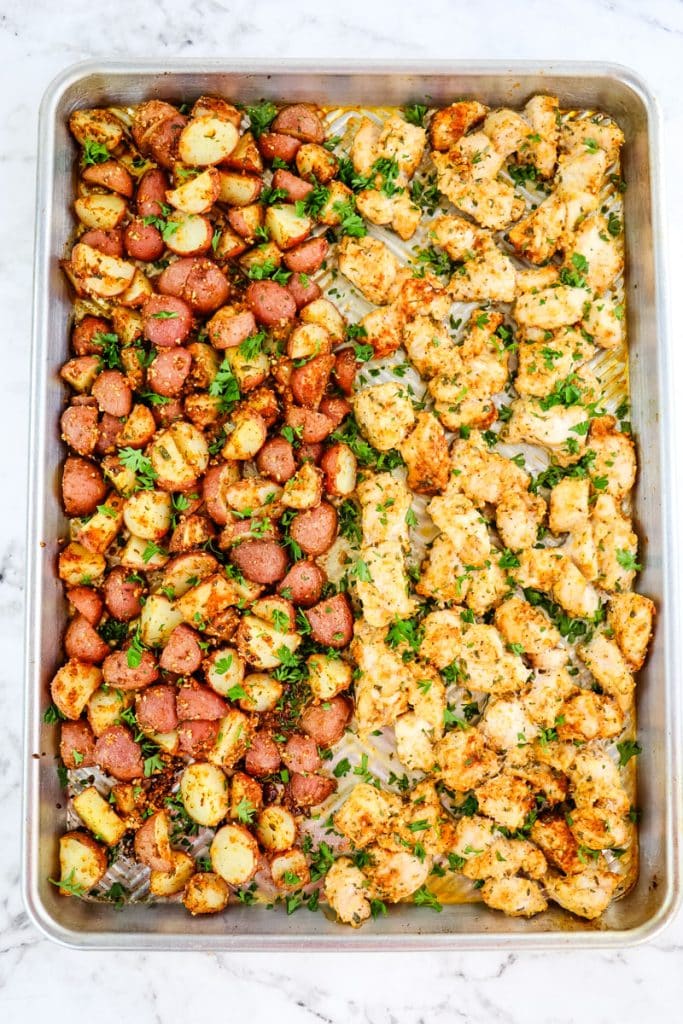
(37, 39)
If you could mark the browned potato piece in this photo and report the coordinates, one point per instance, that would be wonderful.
(206, 893)
(82, 862)
(168, 883)
(152, 843)
(234, 854)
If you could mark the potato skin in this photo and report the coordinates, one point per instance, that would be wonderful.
(117, 753)
(315, 529)
(263, 756)
(276, 461)
(331, 621)
(303, 583)
(309, 790)
(326, 723)
(82, 641)
(122, 595)
(83, 486)
(261, 561)
(270, 303)
(77, 745)
(300, 120)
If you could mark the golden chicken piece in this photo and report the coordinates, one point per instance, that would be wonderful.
(385, 414)
(522, 624)
(506, 857)
(533, 279)
(603, 253)
(346, 890)
(586, 894)
(551, 308)
(403, 142)
(384, 500)
(506, 724)
(425, 453)
(414, 742)
(554, 837)
(631, 619)
(383, 681)
(464, 760)
(448, 125)
(588, 716)
(542, 779)
(546, 358)
(458, 518)
(443, 576)
(421, 821)
(516, 897)
(540, 148)
(507, 799)
(369, 265)
(397, 211)
(396, 874)
(442, 637)
(385, 595)
(472, 835)
(604, 322)
(605, 661)
(488, 666)
(485, 476)
(467, 176)
(569, 504)
(366, 813)
(427, 696)
(537, 236)
(552, 428)
(488, 585)
(428, 344)
(507, 130)
(463, 387)
(615, 456)
(550, 570)
(546, 694)
(383, 327)
(578, 137)
(518, 517)
(486, 272)
(617, 545)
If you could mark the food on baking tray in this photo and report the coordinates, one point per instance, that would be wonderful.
(350, 560)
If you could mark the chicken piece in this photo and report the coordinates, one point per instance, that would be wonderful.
(595, 777)
(488, 585)
(485, 476)
(425, 453)
(588, 716)
(491, 203)
(506, 857)
(346, 891)
(369, 265)
(364, 146)
(442, 637)
(486, 272)
(472, 835)
(488, 666)
(474, 158)
(507, 130)
(383, 328)
(529, 627)
(420, 296)
(550, 428)
(536, 278)
(546, 695)
(616, 543)
(560, 756)
(507, 799)
(615, 456)
(403, 142)
(550, 570)
(606, 663)
(458, 518)
(506, 724)
(599, 828)
(580, 174)
(385, 414)
(540, 147)
(516, 897)
(421, 820)
(384, 501)
(581, 136)
(464, 760)
(443, 575)
(537, 236)
(603, 253)
(581, 548)
(366, 813)
(604, 322)
(546, 358)
(463, 387)
(447, 126)
(542, 779)
(554, 837)
(587, 894)
(385, 595)
(427, 343)
(518, 517)
(397, 210)
(414, 742)
(631, 618)
(396, 874)
(569, 508)
(406, 216)
(382, 683)
(551, 308)
(427, 696)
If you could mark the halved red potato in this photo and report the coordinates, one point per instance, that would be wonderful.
(302, 289)
(150, 196)
(79, 426)
(77, 745)
(308, 340)
(303, 584)
(247, 438)
(190, 234)
(161, 141)
(83, 486)
(99, 274)
(328, 676)
(197, 195)
(167, 374)
(101, 210)
(286, 227)
(215, 484)
(310, 790)
(192, 531)
(230, 326)
(204, 792)
(197, 280)
(301, 755)
(118, 754)
(336, 409)
(84, 336)
(182, 655)
(137, 292)
(270, 303)
(197, 739)
(261, 561)
(80, 373)
(331, 621)
(263, 756)
(340, 466)
(325, 314)
(180, 456)
(304, 489)
(289, 870)
(245, 156)
(82, 641)
(196, 702)
(147, 514)
(207, 139)
(112, 175)
(153, 843)
(96, 125)
(246, 220)
(308, 382)
(262, 692)
(326, 722)
(308, 257)
(123, 594)
(110, 243)
(296, 188)
(156, 708)
(218, 107)
(224, 670)
(113, 393)
(184, 571)
(302, 121)
(78, 565)
(168, 883)
(275, 460)
(206, 893)
(118, 672)
(310, 426)
(143, 241)
(315, 163)
(261, 644)
(263, 256)
(276, 829)
(232, 740)
(168, 320)
(83, 862)
(278, 145)
(345, 368)
(238, 189)
(234, 854)
(149, 114)
(88, 602)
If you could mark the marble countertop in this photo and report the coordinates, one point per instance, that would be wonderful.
(37, 39)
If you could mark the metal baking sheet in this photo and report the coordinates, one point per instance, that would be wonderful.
(613, 90)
